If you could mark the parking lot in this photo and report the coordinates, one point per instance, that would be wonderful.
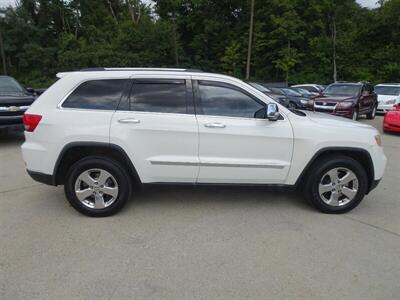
(206, 243)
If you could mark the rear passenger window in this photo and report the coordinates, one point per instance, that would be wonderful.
(96, 94)
(163, 95)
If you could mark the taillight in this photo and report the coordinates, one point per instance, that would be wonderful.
(31, 121)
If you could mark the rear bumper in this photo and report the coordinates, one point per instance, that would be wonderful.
(42, 178)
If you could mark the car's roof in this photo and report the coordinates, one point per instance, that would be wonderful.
(347, 83)
(388, 84)
(98, 72)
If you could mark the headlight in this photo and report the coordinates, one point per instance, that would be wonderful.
(393, 101)
(304, 102)
(345, 105)
(378, 140)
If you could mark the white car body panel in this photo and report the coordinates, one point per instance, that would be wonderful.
(178, 148)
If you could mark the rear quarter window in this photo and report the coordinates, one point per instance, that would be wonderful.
(102, 94)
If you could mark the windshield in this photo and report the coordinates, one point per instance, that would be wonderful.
(304, 91)
(343, 89)
(10, 86)
(292, 92)
(387, 90)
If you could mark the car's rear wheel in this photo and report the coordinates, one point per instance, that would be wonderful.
(336, 184)
(371, 115)
(97, 186)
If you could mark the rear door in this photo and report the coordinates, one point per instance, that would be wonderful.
(157, 127)
(235, 146)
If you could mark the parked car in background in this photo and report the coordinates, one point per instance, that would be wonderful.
(305, 93)
(98, 132)
(314, 88)
(296, 100)
(348, 100)
(391, 122)
(14, 101)
(387, 96)
(282, 99)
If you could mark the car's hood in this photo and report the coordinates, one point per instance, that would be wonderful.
(334, 121)
(331, 98)
(16, 99)
(386, 97)
(393, 115)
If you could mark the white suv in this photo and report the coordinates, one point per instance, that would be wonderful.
(99, 131)
(388, 95)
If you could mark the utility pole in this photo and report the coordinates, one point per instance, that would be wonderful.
(3, 56)
(250, 40)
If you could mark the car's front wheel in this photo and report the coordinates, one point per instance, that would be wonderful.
(336, 184)
(371, 115)
(97, 186)
(354, 116)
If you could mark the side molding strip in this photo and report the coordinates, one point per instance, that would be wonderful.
(168, 163)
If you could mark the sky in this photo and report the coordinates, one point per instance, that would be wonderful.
(367, 3)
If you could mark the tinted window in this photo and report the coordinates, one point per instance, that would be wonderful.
(96, 94)
(166, 96)
(221, 100)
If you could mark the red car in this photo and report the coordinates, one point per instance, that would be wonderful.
(391, 122)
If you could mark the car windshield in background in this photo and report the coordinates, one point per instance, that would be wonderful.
(9, 86)
(292, 92)
(342, 89)
(387, 90)
(304, 91)
(259, 87)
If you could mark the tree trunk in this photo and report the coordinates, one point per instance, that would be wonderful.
(3, 56)
(334, 48)
(250, 40)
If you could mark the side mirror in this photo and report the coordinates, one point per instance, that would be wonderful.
(30, 90)
(272, 112)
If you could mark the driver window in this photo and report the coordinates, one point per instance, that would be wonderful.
(220, 99)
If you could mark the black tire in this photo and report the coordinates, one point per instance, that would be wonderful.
(292, 105)
(118, 172)
(320, 168)
(355, 114)
(371, 115)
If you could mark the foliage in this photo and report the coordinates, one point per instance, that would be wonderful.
(292, 38)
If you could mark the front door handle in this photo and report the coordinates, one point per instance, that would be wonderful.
(130, 121)
(214, 125)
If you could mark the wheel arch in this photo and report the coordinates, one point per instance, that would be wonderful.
(75, 151)
(358, 154)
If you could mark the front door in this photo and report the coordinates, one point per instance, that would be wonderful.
(236, 147)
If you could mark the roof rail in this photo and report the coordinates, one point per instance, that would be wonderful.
(139, 69)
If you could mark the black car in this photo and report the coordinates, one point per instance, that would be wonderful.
(14, 101)
(282, 99)
(296, 100)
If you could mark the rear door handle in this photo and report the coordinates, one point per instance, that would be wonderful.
(214, 125)
(130, 121)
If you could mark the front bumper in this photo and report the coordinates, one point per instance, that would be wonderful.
(391, 127)
(347, 113)
(42, 178)
(384, 108)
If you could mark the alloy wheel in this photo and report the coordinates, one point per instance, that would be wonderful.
(338, 186)
(96, 188)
